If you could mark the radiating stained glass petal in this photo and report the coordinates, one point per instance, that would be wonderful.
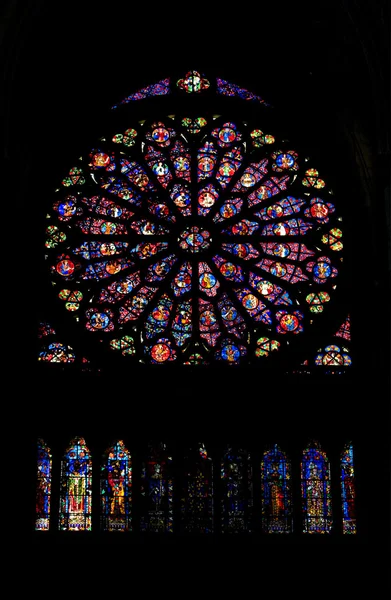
(245, 251)
(180, 157)
(158, 318)
(208, 323)
(253, 305)
(99, 226)
(135, 306)
(282, 270)
(208, 283)
(269, 188)
(228, 166)
(145, 227)
(281, 208)
(231, 318)
(182, 281)
(251, 176)
(290, 250)
(244, 227)
(106, 268)
(116, 291)
(182, 324)
(159, 270)
(228, 269)
(207, 197)
(289, 227)
(230, 208)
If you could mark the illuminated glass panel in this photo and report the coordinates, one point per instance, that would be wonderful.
(236, 491)
(344, 330)
(156, 492)
(197, 491)
(116, 489)
(231, 89)
(276, 492)
(157, 89)
(76, 488)
(57, 353)
(44, 483)
(348, 491)
(199, 207)
(316, 491)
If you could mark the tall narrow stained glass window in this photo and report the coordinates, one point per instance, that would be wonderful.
(348, 491)
(316, 490)
(157, 511)
(75, 487)
(197, 491)
(236, 491)
(43, 490)
(276, 492)
(116, 489)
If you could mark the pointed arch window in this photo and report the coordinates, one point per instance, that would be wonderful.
(116, 489)
(237, 491)
(348, 490)
(316, 490)
(197, 491)
(75, 490)
(43, 490)
(276, 492)
(157, 513)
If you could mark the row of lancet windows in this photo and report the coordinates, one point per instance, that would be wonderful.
(194, 489)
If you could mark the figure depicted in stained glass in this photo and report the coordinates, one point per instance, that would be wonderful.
(197, 491)
(316, 491)
(75, 488)
(348, 491)
(156, 502)
(276, 492)
(43, 491)
(236, 491)
(116, 489)
(201, 208)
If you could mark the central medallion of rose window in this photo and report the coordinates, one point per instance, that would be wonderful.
(193, 239)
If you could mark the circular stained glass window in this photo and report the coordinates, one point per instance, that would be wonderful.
(194, 238)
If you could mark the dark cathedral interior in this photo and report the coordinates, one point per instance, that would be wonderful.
(326, 73)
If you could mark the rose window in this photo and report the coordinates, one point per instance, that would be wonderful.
(194, 239)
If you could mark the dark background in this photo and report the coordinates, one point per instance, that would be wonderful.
(325, 69)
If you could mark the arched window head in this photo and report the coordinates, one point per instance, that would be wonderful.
(116, 489)
(197, 491)
(44, 483)
(236, 491)
(276, 492)
(196, 237)
(76, 487)
(156, 501)
(316, 490)
(348, 490)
